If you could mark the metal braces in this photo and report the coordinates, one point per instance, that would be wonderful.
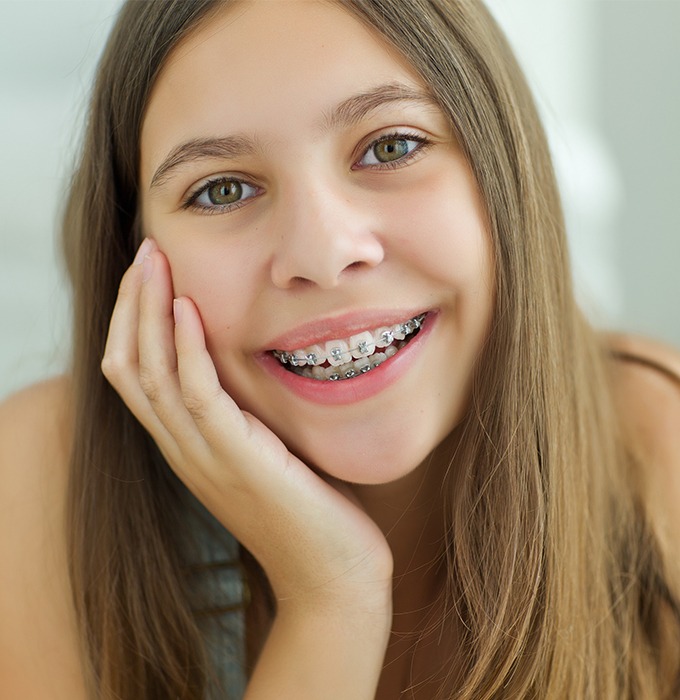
(387, 338)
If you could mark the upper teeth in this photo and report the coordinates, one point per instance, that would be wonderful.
(339, 352)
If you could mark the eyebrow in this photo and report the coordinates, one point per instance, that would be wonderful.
(355, 108)
(347, 113)
(229, 147)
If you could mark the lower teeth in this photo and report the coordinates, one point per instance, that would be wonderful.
(350, 369)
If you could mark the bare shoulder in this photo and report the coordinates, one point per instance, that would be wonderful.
(35, 436)
(37, 636)
(37, 406)
(647, 392)
(661, 353)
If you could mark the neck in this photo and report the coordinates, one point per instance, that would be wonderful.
(410, 513)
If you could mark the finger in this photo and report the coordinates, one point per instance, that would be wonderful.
(158, 357)
(155, 337)
(248, 454)
(120, 363)
(217, 416)
(121, 341)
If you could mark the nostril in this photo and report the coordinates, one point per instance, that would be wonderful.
(301, 283)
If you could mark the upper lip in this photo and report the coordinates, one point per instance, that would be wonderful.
(338, 327)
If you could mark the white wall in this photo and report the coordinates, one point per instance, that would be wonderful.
(638, 79)
(620, 179)
(606, 74)
(47, 54)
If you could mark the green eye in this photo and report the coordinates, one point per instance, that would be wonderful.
(222, 195)
(390, 149)
(226, 192)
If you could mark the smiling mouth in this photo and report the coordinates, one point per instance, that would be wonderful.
(347, 358)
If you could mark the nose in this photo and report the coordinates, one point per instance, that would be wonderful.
(322, 236)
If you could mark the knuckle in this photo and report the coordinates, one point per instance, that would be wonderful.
(151, 384)
(113, 367)
(201, 401)
(196, 404)
(154, 381)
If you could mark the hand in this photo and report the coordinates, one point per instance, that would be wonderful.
(316, 546)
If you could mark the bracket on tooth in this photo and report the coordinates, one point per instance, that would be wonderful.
(386, 338)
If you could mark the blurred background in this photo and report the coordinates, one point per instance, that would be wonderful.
(606, 74)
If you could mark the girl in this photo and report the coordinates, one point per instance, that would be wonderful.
(317, 252)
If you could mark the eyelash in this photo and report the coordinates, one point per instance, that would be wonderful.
(191, 201)
(422, 143)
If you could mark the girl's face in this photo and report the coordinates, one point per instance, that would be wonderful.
(312, 200)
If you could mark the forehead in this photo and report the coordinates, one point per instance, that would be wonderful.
(282, 39)
(260, 62)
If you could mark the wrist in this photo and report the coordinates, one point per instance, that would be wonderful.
(356, 600)
(364, 629)
(311, 648)
(354, 606)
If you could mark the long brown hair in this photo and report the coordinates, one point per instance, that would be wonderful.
(553, 578)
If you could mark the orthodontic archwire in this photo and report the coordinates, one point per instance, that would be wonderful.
(337, 353)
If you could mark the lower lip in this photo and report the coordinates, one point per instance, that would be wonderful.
(360, 388)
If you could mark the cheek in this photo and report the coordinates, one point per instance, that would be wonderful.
(222, 280)
(444, 232)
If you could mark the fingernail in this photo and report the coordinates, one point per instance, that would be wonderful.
(142, 252)
(147, 268)
(177, 310)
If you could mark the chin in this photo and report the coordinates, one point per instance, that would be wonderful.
(368, 459)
